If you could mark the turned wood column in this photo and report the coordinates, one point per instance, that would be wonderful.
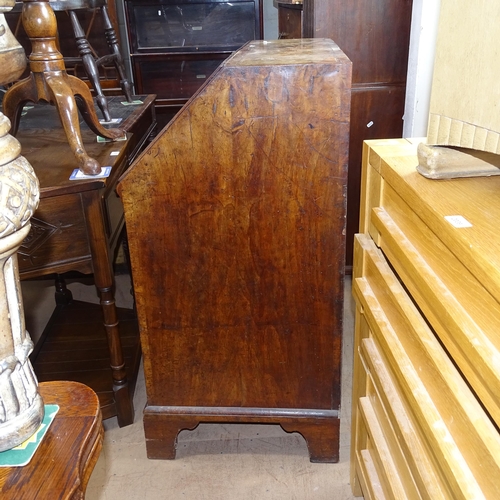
(21, 406)
(49, 82)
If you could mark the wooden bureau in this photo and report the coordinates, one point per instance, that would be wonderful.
(426, 280)
(236, 222)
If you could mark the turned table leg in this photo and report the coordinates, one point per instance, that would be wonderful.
(90, 65)
(104, 282)
(63, 296)
(112, 41)
(49, 82)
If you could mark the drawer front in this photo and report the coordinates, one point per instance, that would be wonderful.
(290, 21)
(401, 456)
(427, 436)
(461, 311)
(57, 241)
(176, 77)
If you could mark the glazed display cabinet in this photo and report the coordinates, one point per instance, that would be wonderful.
(176, 45)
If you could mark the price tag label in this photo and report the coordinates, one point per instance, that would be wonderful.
(458, 221)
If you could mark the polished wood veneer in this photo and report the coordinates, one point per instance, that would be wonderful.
(376, 38)
(236, 223)
(62, 465)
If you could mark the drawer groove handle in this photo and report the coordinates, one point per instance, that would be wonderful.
(416, 458)
(484, 357)
(430, 389)
(372, 488)
(432, 426)
(380, 454)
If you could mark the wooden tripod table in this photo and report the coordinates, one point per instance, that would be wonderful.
(49, 82)
(62, 465)
(78, 227)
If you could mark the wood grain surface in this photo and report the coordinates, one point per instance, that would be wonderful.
(236, 220)
(426, 282)
(63, 463)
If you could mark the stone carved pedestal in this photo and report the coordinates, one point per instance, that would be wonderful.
(21, 406)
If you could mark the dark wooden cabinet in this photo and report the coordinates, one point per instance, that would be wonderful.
(236, 222)
(375, 35)
(289, 19)
(176, 45)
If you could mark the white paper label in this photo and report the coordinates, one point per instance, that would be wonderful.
(458, 221)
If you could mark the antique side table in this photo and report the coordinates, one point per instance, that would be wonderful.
(77, 227)
(62, 465)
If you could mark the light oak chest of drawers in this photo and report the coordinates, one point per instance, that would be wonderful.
(426, 281)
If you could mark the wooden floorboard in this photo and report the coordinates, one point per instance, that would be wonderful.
(74, 347)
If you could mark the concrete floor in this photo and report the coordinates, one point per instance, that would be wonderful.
(214, 462)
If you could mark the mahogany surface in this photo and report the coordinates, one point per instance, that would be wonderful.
(77, 227)
(289, 19)
(65, 459)
(376, 38)
(236, 220)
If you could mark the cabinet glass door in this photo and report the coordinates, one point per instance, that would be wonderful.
(184, 26)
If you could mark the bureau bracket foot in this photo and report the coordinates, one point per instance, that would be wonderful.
(320, 428)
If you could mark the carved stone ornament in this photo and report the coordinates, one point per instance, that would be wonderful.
(21, 406)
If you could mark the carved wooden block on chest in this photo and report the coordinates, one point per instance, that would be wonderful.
(236, 223)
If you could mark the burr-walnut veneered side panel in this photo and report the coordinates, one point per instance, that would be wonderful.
(236, 224)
